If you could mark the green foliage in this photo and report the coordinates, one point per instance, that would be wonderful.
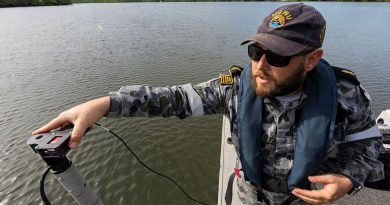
(10, 3)
(37, 2)
(5, 3)
(115, 1)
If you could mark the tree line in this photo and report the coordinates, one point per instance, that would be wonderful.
(11, 3)
(113, 1)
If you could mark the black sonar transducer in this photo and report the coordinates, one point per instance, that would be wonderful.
(51, 144)
(53, 147)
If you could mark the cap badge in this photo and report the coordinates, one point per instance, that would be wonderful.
(279, 18)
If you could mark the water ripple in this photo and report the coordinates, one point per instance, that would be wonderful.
(54, 58)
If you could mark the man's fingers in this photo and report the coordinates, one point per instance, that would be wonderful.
(307, 199)
(313, 194)
(55, 123)
(77, 133)
(323, 179)
(65, 124)
(321, 195)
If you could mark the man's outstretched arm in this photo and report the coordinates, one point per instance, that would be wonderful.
(181, 101)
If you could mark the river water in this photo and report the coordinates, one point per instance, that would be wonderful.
(53, 58)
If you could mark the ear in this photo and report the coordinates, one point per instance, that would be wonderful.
(313, 58)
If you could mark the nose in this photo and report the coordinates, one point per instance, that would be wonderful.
(262, 64)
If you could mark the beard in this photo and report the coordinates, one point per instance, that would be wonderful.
(279, 87)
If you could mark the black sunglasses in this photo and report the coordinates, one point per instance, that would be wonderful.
(255, 52)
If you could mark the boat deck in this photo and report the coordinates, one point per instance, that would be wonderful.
(227, 160)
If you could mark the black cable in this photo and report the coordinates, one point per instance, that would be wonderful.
(42, 187)
(147, 167)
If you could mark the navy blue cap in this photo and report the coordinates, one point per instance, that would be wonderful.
(290, 29)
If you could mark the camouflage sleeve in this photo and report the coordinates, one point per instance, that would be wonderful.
(357, 156)
(358, 161)
(180, 101)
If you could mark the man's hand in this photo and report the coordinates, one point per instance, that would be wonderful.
(82, 117)
(335, 187)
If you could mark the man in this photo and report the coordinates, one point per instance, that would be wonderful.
(296, 121)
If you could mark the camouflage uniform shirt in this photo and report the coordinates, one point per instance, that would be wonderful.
(355, 159)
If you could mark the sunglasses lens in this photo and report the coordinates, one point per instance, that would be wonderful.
(254, 52)
(277, 60)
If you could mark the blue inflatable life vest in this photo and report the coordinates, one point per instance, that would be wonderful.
(315, 127)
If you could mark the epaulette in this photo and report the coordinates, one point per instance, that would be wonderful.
(228, 79)
(346, 74)
(235, 70)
